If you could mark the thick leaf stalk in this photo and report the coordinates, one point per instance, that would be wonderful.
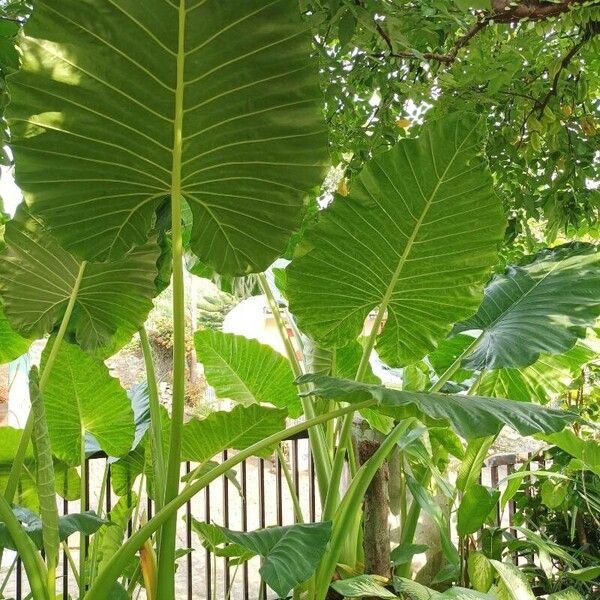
(166, 581)
(45, 480)
(128, 550)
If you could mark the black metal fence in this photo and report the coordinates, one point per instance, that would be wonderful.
(258, 498)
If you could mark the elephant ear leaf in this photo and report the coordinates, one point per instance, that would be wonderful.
(120, 106)
(12, 345)
(472, 416)
(237, 368)
(290, 554)
(417, 235)
(82, 398)
(542, 381)
(541, 307)
(38, 277)
(238, 429)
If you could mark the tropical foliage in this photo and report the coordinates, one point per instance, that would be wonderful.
(429, 172)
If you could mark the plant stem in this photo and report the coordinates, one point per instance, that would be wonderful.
(333, 493)
(349, 507)
(158, 459)
(291, 486)
(17, 466)
(166, 557)
(345, 439)
(445, 376)
(34, 566)
(128, 550)
(94, 554)
(318, 442)
(71, 562)
(84, 507)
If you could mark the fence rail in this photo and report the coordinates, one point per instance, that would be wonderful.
(261, 500)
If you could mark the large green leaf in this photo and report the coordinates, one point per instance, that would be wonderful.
(360, 586)
(290, 554)
(585, 450)
(542, 381)
(119, 105)
(514, 580)
(12, 345)
(471, 416)
(37, 278)
(416, 591)
(247, 371)
(66, 479)
(475, 507)
(418, 232)
(238, 429)
(568, 594)
(82, 398)
(87, 523)
(537, 308)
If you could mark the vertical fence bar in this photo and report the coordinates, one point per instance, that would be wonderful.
(226, 573)
(207, 560)
(245, 574)
(86, 506)
(109, 491)
(261, 511)
(279, 488)
(188, 541)
(296, 470)
(494, 481)
(65, 565)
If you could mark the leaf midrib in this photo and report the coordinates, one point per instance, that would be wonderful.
(416, 229)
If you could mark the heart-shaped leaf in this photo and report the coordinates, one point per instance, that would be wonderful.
(238, 429)
(37, 278)
(119, 106)
(12, 345)
(81, 397)
(541, 307)
(290, 554)
(418, 233)
(247, 371)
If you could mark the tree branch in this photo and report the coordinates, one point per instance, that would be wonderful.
(592, 30)
(503, 11)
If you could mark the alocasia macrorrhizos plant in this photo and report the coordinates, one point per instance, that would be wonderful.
(125, 118)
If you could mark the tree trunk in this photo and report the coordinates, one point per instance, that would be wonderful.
(376, 531)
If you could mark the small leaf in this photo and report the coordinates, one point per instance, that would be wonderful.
(481, 571)
(514, 580)
(290, 554)
(475, 507)
(585, 574)
(568, 594)
(360, 586)
(554, 492)
(246, 371)
(405, 552)
(86, 523)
